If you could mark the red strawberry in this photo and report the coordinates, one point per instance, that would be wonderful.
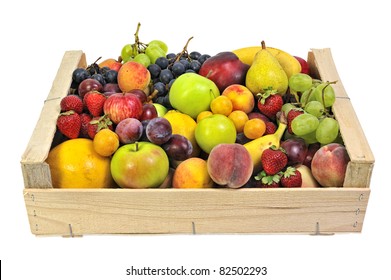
(71, 102)
(273, 160)
(69, 124)
(268, 181)
(94, 101)
(98, 123)
(291, 178)
(270, 103)
(271, 127)
(85, 119)
(293, 113)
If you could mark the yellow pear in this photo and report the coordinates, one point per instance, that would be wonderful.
(266, 72)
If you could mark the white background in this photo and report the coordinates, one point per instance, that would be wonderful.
(34, 37)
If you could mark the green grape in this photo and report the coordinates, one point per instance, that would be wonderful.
(310, 138)
(314, 108)
(143, 59)
(160, 44)
(300, 82)
(128, 52)
(324, 93)
(307, 96)
(327, 131)
(304, 124)
(154, 52)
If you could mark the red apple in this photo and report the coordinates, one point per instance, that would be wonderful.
(139, 165)
(329, 165)
(224, 69)
(305, 68)
(120, 106)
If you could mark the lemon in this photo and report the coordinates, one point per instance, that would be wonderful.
(184, 125)
(75, 164)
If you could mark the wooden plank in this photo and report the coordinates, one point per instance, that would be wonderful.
(360, 168)
(119, 211)
(36, 173)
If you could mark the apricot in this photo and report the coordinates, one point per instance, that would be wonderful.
(329, 165)
(241, 97)
(133, 75)
(112, 63)
(192, 173)
(230, 165)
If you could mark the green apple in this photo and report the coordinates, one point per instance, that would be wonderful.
(192, 93)
(161, 110)
(213, 130)
(139, 165)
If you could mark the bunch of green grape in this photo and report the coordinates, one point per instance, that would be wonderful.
(145, 54)
(316, 124)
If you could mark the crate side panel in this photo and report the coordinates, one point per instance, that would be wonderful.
(359, 170)
(55, 212)
(38, 147)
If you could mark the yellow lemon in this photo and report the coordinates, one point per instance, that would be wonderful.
(75, 164)
(184, 125)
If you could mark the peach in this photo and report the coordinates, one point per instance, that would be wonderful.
(111, 63)
(230, 165)
(241, 98)
(133, 75)
(329, 165)
(192, 173)
(308, 180)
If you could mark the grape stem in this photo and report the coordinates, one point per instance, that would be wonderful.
(184, 51)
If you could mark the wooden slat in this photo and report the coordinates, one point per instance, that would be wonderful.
(35, 171)
(78, 212)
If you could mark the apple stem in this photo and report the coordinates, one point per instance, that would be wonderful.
(263, 45)
(136, 146)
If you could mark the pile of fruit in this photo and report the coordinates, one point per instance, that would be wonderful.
(252, 117)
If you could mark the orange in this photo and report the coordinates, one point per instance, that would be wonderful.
(239, 118)
(75, 164)
(221, 105)
(254, 128)
(203, 115)
(106, 142)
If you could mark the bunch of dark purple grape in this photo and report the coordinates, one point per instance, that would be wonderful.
(166, 69)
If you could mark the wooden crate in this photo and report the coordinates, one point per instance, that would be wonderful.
(74, 212)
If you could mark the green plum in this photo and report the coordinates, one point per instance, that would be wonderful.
(192, 93)
(213, 130)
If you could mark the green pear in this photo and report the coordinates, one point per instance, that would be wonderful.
(266, 72)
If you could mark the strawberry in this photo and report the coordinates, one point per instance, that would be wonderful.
(270, 103)
(98, 123)
(274, 160)
(268, 181)
(94, 101)
(85, 119)
(293, 113)
(271, 127)
(291, 178)
(71, 102)
(69, 124)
